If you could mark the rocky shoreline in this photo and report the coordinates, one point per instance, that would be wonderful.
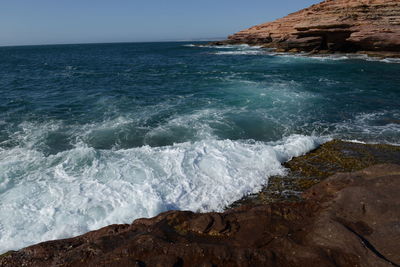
(338, 205)
(369, 27)
(330, 158)
(309, 217)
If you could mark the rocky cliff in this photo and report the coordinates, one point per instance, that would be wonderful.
(332, 25)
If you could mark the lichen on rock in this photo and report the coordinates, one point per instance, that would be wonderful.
(330, 158)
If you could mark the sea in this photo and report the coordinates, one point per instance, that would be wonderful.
(99, 134)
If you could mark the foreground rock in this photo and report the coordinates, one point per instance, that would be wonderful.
(350, 219)
(369, 26)
(330, 158)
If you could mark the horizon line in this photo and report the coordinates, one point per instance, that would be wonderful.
(122, 42)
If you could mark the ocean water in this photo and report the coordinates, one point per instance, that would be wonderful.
(92, 135)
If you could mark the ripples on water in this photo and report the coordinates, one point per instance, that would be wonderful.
(97, 134)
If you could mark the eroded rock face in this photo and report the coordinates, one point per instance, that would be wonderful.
(350, 219)
(332, 25)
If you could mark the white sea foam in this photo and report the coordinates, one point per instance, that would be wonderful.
(370, 127)
(81, 189)
(354, 141)
(240, 52)
(242, 49)
(334, 57)
(240, 46)
(387, 60)
(197, 123)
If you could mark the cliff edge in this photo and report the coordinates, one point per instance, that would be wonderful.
(369, 26)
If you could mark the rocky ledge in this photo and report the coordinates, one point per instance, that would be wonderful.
(365, 26)
(347, 219)
(330, 158)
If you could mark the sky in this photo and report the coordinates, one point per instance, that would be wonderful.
(30, 22)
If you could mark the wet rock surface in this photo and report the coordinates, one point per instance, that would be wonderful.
(348, 219)
(367, 26)
(330, 158)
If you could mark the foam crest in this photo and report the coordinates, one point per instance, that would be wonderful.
(336, 57)
(248, 52)
(198, 125)
(242, 49)
(240, 46)
(82, 189)
(382, 126)
(245, 49)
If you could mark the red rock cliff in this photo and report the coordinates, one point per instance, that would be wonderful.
(333, 25)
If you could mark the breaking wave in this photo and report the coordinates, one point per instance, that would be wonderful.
(92, 135)
(82, 189)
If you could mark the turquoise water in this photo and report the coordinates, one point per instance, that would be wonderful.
(97, 134)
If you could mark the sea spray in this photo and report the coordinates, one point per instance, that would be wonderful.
(83, 189)
(98, 134)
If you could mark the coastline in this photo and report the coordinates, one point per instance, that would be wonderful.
(167, 154)
(337, 205)
(384, 56)
(361, 27)
(249, 113)
(287, 199)
(333, 157)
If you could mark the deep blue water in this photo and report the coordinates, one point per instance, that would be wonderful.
(106, 133)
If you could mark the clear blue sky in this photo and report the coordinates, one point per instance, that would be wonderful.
(83, 21)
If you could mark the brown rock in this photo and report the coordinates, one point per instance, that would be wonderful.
(349, 219)
(317, 165)
(294, 50)
(280, 50)
(335, 25)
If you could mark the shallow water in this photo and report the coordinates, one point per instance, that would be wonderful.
(97, 134)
